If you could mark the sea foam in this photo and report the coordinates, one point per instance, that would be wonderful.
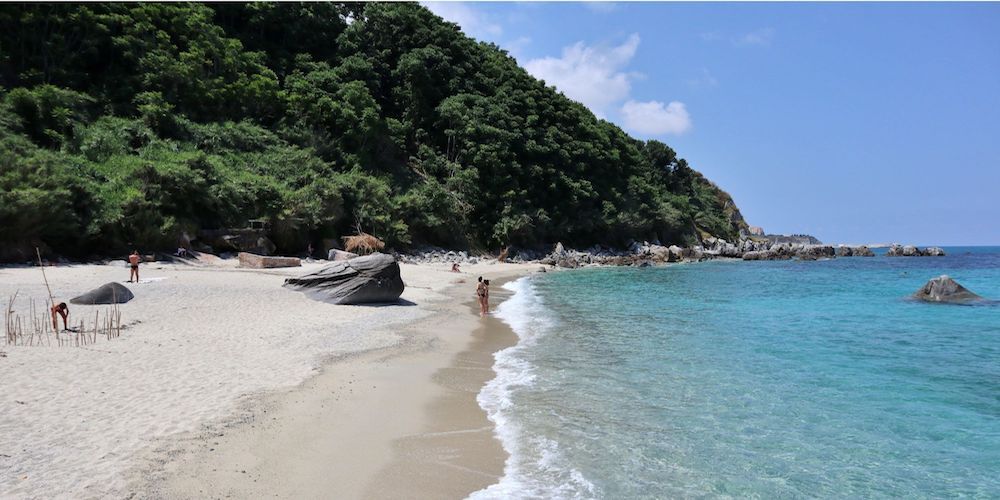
(535, 467)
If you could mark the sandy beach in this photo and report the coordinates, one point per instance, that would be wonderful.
(225, 383)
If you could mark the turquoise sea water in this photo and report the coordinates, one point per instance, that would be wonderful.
(751, 379)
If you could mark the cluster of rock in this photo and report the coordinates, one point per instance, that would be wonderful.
(787, 251)
(800, 247)
(220, 241)
(646, 253)
(435, 255)
(911, 251)
(854, 251)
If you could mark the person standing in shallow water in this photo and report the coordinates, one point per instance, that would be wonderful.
(133, 262)
(486, 298)
(481, 293)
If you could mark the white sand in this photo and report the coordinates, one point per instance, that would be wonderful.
(74, 420)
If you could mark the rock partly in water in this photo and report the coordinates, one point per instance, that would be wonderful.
(944, 289)
(370, 279)
(862, 251)
(934, 252)
(911, 251)
(815, 252)
(109, 293)
(676, 253)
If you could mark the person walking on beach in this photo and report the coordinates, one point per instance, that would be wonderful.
(60, 309)
(133, 262)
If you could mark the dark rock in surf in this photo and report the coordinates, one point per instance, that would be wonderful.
(109, 293)
(946, 290)
(370, 279)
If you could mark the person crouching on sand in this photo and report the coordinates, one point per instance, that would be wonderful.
(454, 268)
(133, 262)
(60, 309)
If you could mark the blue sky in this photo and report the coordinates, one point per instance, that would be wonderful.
(857, 123)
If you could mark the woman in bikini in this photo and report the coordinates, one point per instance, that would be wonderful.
(482, 292)
(486, 297)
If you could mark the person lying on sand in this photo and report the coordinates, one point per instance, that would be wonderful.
(63, 310)
(133, 261)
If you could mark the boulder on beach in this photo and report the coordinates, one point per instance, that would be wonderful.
(109, 293)
(370, 279)
(946, 290)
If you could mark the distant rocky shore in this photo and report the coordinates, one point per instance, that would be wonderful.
(647, 253)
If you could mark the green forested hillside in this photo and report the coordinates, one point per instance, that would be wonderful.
(130, 123)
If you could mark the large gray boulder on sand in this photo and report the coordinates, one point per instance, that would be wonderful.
(108, 293)
(370, 279)
(945, 289)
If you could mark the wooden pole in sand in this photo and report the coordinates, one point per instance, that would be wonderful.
(52, 302)
(39, 253)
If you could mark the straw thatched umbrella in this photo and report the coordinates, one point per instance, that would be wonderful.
(363, 243)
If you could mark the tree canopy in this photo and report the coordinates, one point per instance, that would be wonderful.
(130, 123)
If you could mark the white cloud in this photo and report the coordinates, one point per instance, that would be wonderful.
(597, 76)
(516, 47)
(655, 118)
(704, 80)
(601, 7)
(711, 36)
(591, 75)
(761, 37)
(473, 23)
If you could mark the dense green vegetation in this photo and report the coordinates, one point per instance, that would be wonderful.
(132, 123)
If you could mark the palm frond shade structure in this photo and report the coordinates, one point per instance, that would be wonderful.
(363, 243)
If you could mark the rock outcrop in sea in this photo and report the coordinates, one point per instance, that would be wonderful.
(854, 251)
(646, 253)
(369, 279)
(946, 290)
(897, 250)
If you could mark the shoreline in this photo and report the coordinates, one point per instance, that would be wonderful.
(377, 424)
